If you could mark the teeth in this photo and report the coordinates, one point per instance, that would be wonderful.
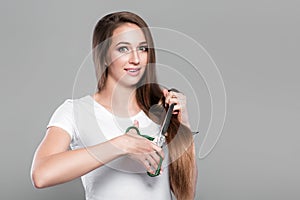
(132, 70)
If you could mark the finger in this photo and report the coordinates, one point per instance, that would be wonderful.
(174, 100)
(169, 98)
(170, 94)
(132, 131)
(173, 96)
(155, 156)
(152, 163)
(178, 99)
(147, 165)
(158, 151)
(177, 108)
(136, 123)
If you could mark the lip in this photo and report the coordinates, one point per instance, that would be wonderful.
(132, 71)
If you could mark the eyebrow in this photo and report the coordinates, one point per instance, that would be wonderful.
(128, 43)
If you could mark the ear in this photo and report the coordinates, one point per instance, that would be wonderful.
(105, 62)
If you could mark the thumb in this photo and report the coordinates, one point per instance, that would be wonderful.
(165, 92)
(136, 123)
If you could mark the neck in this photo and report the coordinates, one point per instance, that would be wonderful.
(118, 99)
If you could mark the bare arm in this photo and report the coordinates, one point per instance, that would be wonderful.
(54, 164)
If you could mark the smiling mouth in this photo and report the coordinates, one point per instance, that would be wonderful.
(132, 69)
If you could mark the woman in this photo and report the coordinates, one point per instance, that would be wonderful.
(124, 59)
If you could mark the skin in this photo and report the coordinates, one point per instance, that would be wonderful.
(54, 164)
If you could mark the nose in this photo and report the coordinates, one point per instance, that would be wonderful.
(134, 57)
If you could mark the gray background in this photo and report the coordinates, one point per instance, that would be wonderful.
(254, 43)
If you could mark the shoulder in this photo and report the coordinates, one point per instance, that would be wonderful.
(64, 113)
(67, 114)
(69, 104)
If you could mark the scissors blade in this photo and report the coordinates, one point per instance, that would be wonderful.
(166, 123)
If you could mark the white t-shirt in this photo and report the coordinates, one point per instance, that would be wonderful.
(89, 123)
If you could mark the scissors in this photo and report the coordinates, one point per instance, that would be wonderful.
(160, 139)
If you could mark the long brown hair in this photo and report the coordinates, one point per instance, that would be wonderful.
(182, 170)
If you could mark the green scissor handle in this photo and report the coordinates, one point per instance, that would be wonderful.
(157, 172)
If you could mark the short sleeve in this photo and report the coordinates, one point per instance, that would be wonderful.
(63, 118)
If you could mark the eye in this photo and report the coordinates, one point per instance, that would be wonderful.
(123, 49)
(143, 48)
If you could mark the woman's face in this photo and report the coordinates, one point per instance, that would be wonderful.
(127, 55)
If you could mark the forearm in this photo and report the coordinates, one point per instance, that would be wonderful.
(65, 166)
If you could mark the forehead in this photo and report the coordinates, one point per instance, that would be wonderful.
(128, 32)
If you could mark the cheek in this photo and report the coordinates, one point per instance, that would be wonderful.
(144, 58)
(117, 58)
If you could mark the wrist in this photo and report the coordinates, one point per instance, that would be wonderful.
(118, 144)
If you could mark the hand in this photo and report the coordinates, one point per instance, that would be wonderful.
(180, 108)
(141, 149)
